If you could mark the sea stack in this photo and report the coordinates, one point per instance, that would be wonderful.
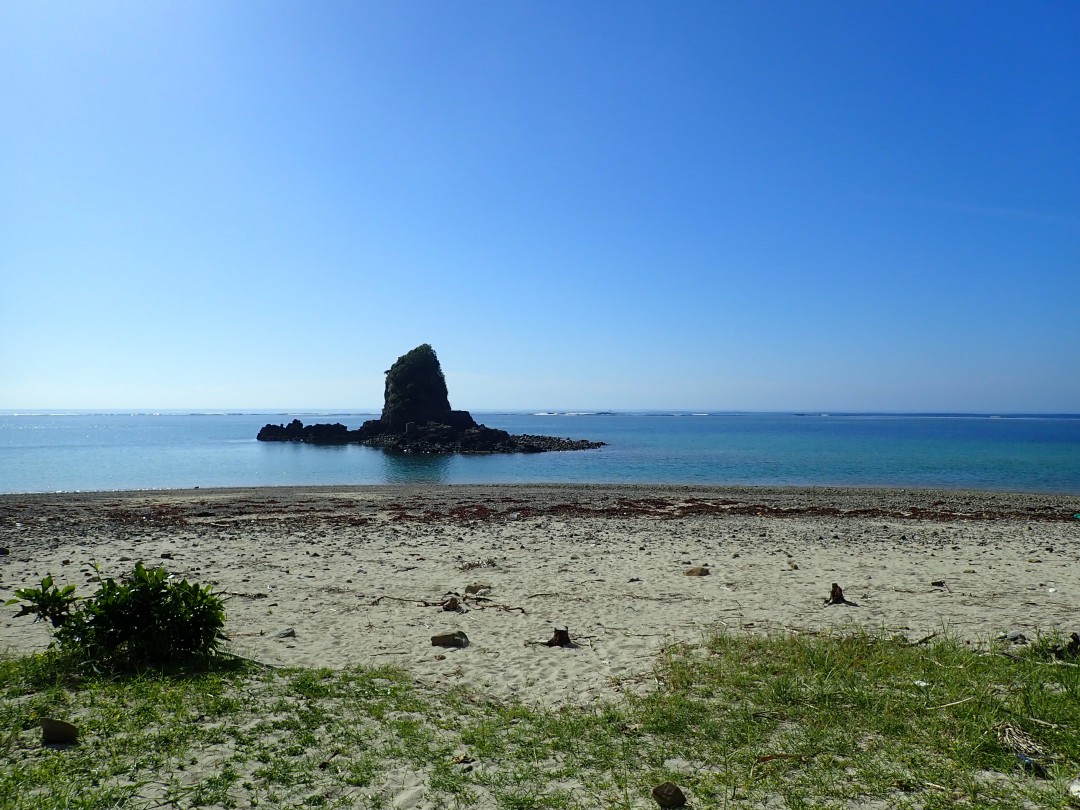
(417, 418)
(416, 394)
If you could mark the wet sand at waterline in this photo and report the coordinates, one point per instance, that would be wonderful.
(361, 575)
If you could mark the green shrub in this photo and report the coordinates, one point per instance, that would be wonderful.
(145, 619)
(47, 602)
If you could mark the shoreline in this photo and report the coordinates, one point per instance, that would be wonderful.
(358, 573)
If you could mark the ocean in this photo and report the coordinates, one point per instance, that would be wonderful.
(62, 452)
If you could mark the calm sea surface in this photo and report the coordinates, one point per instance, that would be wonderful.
(67, 452)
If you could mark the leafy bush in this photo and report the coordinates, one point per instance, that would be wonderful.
(146, 619)
(47, 602)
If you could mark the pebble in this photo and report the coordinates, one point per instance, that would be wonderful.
(58, 732)
(455, 639)
(669, 795)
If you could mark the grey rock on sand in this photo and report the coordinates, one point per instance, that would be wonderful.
(455, 639)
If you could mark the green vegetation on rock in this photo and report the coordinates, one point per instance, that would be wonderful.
(415, 389)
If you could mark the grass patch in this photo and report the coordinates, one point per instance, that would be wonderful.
(785, 721)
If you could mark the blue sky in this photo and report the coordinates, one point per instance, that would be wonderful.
(608, 205)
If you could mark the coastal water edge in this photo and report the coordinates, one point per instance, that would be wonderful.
(111, 451)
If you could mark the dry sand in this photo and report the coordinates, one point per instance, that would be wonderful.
(360, 573)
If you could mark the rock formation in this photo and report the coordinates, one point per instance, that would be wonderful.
(416, 392)
(417, 418)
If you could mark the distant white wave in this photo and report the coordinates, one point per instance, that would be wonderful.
(573, 413)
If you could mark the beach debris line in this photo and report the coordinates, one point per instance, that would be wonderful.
(469, 565)
(836, 597)
(453, 602)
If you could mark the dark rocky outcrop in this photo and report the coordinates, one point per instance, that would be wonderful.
(416, 392)
(296, 431)
(417, 418)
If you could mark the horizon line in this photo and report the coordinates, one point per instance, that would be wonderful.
(317, 411)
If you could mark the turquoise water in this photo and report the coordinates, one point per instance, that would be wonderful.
(69, 452)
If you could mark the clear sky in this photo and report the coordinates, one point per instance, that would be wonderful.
(605, 205)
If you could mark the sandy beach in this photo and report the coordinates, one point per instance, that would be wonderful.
(343, 576)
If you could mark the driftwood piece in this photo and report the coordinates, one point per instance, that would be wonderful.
(422, 602)
(1070, 650)
(836, 597)
(451, 602)
(561, 638)
(482, 603)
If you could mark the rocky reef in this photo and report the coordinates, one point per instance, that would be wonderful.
(417, 418)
